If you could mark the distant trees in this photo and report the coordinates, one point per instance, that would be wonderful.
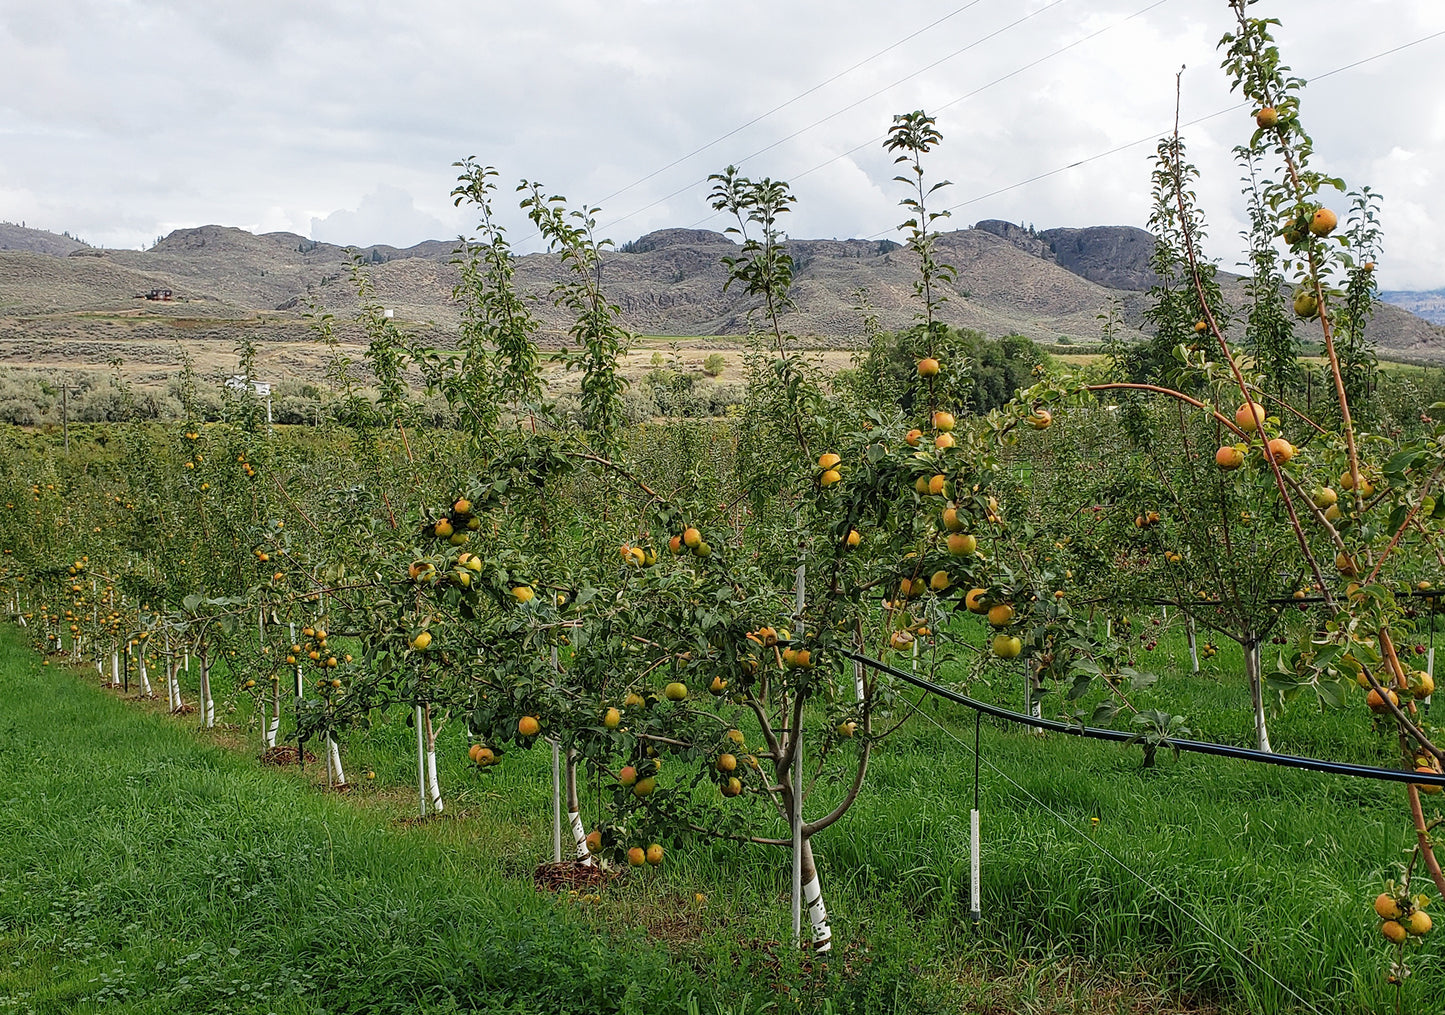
(983, 373)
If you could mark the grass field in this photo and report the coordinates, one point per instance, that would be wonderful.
(148, 866)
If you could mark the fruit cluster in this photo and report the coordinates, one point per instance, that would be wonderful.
(313, 650)
(690, 538)
(1402, 916)
(454, 525)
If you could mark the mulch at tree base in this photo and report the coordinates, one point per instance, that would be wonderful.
(284, 754)
(570, 875)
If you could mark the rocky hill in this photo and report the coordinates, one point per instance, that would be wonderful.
(37, 241)
(1049, 285)
(1430, 304)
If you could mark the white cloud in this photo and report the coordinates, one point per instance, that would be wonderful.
(386, 215)
(119, 120)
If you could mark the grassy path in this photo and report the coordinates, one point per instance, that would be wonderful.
(148, 867)
(144, 871)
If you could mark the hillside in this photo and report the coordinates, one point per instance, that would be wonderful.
(37, 241)
(64, 302)
(1429, 305)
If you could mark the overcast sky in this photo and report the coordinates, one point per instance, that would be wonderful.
(121, 120)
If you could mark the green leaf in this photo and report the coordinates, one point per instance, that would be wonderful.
(1332, 693)
(1104, 712)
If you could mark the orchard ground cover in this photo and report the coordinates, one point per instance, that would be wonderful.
(141, 850)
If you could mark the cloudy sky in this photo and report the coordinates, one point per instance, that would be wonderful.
(121, 120)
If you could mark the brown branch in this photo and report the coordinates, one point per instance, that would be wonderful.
(1319, 514)
(837, 812)
(1172, 394)
(1176, 172)
(1414, 510)
(609, 464)
(1392, 660)
(304, 516)
(738, 838)
(1422, 835)
(1293, 411)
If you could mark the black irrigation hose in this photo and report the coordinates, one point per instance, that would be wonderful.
(1119, 736)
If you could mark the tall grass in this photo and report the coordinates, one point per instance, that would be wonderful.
(151, 867)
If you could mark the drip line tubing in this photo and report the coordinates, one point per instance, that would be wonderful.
(1120, 736)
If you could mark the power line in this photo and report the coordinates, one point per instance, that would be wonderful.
(995, 81)
(952, 102)
(1103, 154)
(1406, 45)
(1001, 190)
(783, 105)
(840, 112)
(1155, 136)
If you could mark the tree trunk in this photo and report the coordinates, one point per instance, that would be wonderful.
(1193, 643)
(431, 761)
(140, 665)
(333, 761)
(209, 705)
(273, 725)
(420, 760)
(813, 901)
(1256, 694)
(174, 683)
(574, 812)
(1032, 686)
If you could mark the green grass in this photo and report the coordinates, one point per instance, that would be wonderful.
(146, 866)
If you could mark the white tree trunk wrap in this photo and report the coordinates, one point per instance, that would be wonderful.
(420, 761)
(431, 779)
(177, 702)
(115, 680)
(431, 764)
(813, 902)
(1256, 694)
(579, 838)
(140, 665)
(1193, 644)
(333, 755)
(210, 711)
(574, 813)
(273, 727)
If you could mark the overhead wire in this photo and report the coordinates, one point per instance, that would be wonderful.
(993, 193)
(783, 105)
(1153, 136)
(1157, 134)
(850, 106)
(950, 103)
